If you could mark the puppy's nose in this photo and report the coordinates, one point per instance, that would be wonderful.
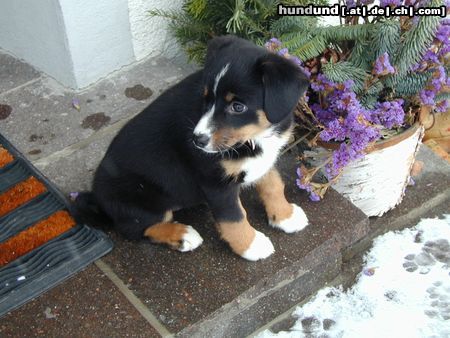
(201, 140)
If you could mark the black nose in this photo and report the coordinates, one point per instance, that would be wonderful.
(201, 140)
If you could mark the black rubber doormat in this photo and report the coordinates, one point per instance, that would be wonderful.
(40, 243)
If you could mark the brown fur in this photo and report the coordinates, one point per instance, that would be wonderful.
(205, 91)
(271, 192)
(239, 235)
(167, 233)
(229, 97)
(228, 137)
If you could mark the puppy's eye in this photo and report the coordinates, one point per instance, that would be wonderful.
(237, 108)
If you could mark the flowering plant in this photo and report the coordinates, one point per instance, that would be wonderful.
(370, 80)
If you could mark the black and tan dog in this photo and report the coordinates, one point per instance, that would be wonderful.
(217, 130)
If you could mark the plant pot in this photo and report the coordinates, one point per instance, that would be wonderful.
(377, 182)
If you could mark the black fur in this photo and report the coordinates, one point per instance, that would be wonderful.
(152, 164)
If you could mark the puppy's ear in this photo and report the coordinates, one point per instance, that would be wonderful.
(215, 45)
(284, 83)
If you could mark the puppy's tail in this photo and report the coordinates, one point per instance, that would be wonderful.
(86, 210)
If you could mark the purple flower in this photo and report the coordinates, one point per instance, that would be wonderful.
(350, 3)
(442, 106)
(314, 197)
(427, 97)
(334, 131)
(283, 52)
(273, 44)
(389, 113)
(322, 83)
(383, 66)
(443, 33)
(384, 3)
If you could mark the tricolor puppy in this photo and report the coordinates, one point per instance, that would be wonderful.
(217, 130)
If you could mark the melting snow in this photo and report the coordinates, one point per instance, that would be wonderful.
(402, 291)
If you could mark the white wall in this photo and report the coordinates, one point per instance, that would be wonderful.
(77, 42)
(150, 34)
(99, 37)
(32, 30)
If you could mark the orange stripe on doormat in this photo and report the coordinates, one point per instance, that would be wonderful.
(35, 236)
(20, 194)
(5, 157)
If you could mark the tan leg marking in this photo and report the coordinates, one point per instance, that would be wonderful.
(239, 235)
(271, 190)
(167, 233)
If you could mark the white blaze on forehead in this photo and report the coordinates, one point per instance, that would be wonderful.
(204, 125)
(220, 75)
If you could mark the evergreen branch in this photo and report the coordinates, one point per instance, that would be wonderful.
(409, 84)
(362, 55)
(386, 37)
(342, 71)
(417, 40)
(311, 49)
(442, 96)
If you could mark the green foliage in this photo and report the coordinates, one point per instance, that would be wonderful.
(408, 84)
(386, 37)
(417, 40)
(342, 71)
(256, 20)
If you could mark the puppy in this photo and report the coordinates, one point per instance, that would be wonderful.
(217, 130)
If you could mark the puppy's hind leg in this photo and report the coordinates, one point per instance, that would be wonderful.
(178, 236)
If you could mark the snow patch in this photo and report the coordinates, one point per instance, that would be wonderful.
(403, 291)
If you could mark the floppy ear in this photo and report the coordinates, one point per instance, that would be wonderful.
(216, 44)
(284, 83)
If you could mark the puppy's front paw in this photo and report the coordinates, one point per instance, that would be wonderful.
(298, 221)
(260, 248)
(190, 240)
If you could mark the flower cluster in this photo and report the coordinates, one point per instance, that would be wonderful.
(345, 120)
(383, 66)
(339, 117)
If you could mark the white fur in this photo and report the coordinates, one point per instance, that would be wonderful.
(204, 125)
(220, 75)
(298, 221)
(256, 167)
(190, 240)
(260, 248)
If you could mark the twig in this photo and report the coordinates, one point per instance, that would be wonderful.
(293, 144)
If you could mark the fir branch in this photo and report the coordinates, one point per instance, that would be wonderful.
(362, 55)
(346, 33)
(442, 96)
(410, 84)
(312, 48)
(386, 37)
(342, 71)
(417, 40)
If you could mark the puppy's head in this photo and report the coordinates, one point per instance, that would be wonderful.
(248, 92)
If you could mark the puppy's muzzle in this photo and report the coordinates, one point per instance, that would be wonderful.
(201, 140)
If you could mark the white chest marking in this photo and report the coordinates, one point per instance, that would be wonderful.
(258, 166)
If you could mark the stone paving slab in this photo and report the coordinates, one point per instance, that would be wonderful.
(86, 305)
(212, 292)
(43, 119)
(14, 73)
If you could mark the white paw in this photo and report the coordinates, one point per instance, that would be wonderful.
(260, 248)
(298, 221)
(190, 240)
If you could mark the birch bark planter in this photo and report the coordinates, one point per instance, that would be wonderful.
(377, 182)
